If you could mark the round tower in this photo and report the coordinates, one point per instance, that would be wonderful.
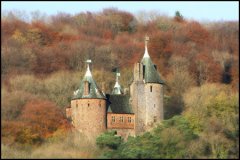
(88, 107)
(153, 89)
(146, 93)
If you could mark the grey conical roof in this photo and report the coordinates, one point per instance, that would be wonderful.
(151, 74)
(95, 92)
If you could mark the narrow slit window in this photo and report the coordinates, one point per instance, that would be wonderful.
(143, 71)
(150, 88)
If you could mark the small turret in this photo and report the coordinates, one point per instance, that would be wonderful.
(88, 87)
(117, 88)
(88, 107)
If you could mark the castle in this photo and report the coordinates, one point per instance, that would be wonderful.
(93, 112)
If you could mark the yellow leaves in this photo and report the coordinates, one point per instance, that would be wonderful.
(18, 35)
(210, 100)
(35, 35)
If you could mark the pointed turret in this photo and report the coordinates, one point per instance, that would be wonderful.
(150, 73)
(88, 87)
(117, 88)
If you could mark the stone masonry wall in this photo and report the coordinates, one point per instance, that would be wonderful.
(89, 116)
(137, 99)
(154, 103)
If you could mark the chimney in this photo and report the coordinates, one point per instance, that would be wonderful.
(138, 72)
(86, 88)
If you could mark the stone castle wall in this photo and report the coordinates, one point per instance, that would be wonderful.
(89, 116)
(154, 103)
(137, 100)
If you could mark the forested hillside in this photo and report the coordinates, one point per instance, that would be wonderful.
(42, 63)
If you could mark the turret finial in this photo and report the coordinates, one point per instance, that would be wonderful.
(88, 73)
(146, 40)
(146, 50)
(117, 87)
(117, 75)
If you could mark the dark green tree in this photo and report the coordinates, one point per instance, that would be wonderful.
(178, 17)
(109, 140)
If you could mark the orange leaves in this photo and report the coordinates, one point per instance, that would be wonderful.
(38, 120)
(115, 37)
(205, 69)
(107, 35)
(192, 32)
(51, 59)
(42, 118)
(44, 113)
(197, 33)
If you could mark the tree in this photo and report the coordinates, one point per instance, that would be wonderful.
(41, 119)
(179, 81)
(178, 17)
(109, 140)
(168, 140)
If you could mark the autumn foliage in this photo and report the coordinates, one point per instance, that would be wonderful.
(42, 62)
(39, 119)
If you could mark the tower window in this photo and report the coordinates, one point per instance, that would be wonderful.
(143, 71)
(99, 103)
(150, 88)
(76, 103)
(88, 104)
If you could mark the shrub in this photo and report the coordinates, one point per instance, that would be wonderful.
(109, 139)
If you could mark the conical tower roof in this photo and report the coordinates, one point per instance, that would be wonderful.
(94, 91)
(151, 74)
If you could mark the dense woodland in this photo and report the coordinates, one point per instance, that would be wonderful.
(42, 63)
